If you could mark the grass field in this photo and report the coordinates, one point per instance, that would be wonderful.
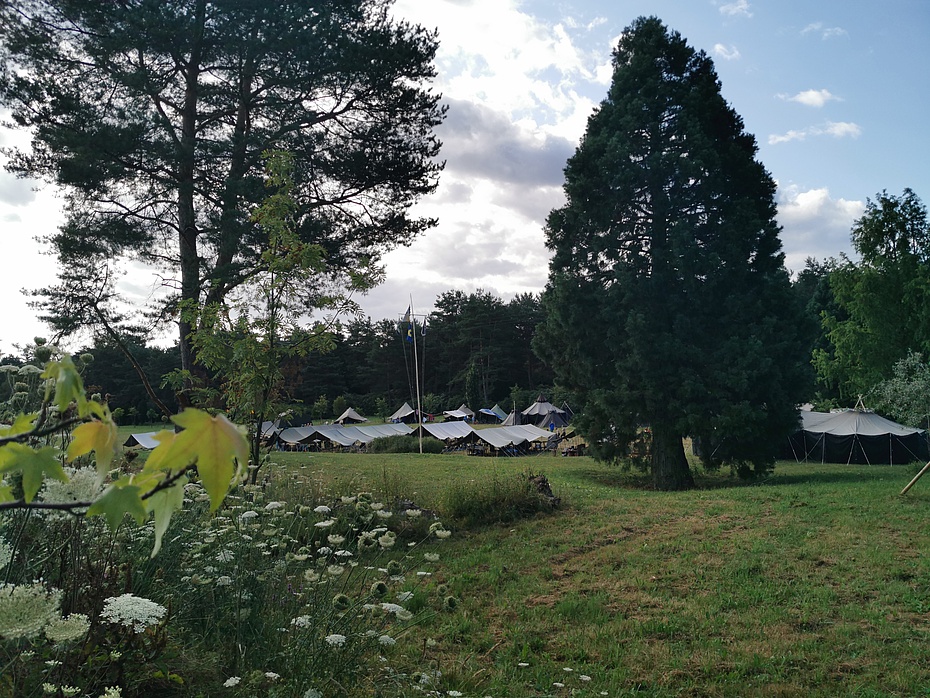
(815, 582)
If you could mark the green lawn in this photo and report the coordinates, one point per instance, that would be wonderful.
(813, 583)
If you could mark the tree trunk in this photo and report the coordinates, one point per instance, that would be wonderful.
(670, 470)
(187, 217)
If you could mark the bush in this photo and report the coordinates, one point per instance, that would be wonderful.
(497, 500)
(405, 444)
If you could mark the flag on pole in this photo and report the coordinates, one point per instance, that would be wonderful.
(409, 321)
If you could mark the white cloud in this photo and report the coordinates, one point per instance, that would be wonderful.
(811, 98)
(775, 139)
(825, 33)
(842, 129)
(837, 129)
(739, 8)
(814, 224)
(727, 53)
(16, 191)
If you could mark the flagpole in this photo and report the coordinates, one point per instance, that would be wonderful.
(416, 373)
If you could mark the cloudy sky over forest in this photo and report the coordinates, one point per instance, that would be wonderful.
(836, 94)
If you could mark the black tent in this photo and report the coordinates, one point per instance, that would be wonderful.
(857, 436)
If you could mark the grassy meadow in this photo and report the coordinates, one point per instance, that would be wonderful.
(815, 582)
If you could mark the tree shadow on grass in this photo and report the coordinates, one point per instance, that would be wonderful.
(784, 474)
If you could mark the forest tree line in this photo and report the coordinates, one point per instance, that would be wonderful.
(867, 333)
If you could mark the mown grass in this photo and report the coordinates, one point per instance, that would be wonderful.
(815, 582)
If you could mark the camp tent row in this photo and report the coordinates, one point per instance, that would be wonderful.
(456, 434)
(857, 436)
(334, 434)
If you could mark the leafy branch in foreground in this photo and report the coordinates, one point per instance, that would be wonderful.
(29, 457)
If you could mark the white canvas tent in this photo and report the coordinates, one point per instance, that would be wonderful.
(144, 440)
(403, 414)
(541, 408)
(857, 436)
(351, 416)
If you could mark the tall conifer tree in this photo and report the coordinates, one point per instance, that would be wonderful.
(668, 303)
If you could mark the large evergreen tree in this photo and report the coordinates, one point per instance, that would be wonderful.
(152, 116)
(668, 304)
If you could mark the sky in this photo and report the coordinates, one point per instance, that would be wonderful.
(836, 94)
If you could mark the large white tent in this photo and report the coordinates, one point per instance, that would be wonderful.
(857, 436)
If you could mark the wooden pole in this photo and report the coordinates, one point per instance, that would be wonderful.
(916, 478)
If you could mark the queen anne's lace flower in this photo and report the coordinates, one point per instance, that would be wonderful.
(6, 553)
(335, 640)
(66, 629)
(132, 612)
(26, 609)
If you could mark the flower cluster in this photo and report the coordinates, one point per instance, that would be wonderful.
(132, 612)
(26, 609)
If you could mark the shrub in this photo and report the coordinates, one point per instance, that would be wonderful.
(405, 444)
(496, 500)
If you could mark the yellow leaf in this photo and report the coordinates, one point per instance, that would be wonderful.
(96, 436)
(215, 444)
(156, 459)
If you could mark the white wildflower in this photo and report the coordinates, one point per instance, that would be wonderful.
(231, 681)
(49, 688)
(387, 540)
(322, 509)
(431, 557)
(584, 677)
(83, 485)
(224, 581)
(225, 556)
(302, 621)
(271, 676)
(272, 506)
(66, 629)
(312, 693)
(324, 524)
(387, 640)
(404, 595)
(132, 612)
(443, 533)
(6, 553)
(26, 609)
(335, 539)
(383, 514)
(335, 640)
(249, 514)
(112, 692)
(413, 513)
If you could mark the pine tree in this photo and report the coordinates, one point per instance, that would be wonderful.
(668, 304)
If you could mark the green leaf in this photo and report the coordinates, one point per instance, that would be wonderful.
(22, 424)
(34, 464)
(164, 504)
(68, 384)
(6, 493)
(117, 501)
